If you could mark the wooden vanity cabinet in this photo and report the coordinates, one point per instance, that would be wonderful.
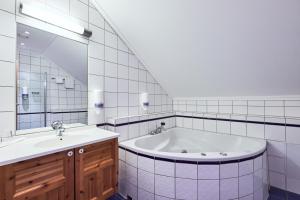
(87, 173)
(46, 178)
(96, 171)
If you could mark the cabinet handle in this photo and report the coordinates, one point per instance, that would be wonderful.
(70, 153)
(81, 151)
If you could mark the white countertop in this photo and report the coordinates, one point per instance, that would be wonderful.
(45, 143)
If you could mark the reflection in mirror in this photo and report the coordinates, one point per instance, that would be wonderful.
(51, 79)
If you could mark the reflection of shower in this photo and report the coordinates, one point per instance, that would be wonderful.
(45, 99)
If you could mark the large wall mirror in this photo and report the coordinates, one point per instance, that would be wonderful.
(51, 79)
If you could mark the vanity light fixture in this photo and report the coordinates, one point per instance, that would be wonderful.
(22, 44)
(54, 19)
(27, 33)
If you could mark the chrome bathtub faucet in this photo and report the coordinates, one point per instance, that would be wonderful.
(159, 129)
(58, 127)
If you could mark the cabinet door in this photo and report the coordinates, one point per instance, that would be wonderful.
(45, 178)
(96, 171)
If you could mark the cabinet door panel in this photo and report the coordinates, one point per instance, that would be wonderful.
(96, 171)
(45, 178)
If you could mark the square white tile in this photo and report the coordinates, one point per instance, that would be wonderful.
(186, 189)
(229, 188)
(255, 130)
(277, 164)
(293, 135)
(245, 185)
(228, 170)
(7, 24)
(258, 163)
(164, 168)
(146, 164)
(245, 167)
(277, 148)
(144, 195)
(186, 170)
(238, 128)
(277, 180)
(208, 189)
(131, 174)
(131, 158)
(276, 133)
(210, 125)
(208, 171)
(146, 180)
(165, 186)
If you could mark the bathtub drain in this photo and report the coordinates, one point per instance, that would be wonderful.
(184, 151)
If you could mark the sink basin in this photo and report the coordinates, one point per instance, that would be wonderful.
(60, 141)
(12, 141)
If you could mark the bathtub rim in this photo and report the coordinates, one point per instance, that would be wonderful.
(193, 158)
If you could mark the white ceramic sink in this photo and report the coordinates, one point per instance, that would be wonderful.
(60, 141)
(12, 141)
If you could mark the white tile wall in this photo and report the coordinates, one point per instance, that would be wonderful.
(103, 47)
(7, 65)
(261, 109)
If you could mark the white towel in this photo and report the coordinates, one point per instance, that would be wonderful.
(69, 83)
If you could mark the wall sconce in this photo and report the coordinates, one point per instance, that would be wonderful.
(49, 17)
(144, 101)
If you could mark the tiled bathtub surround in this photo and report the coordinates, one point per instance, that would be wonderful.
(136, 126)
(273, 119)
(145, 177)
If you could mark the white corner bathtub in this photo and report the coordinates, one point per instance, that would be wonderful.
(193, 145)
(173, 164)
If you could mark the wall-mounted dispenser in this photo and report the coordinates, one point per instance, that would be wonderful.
(144, 101)
(25, 93)
(98, 99)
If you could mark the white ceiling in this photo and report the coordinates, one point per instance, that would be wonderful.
(214, 47)
(68, 54)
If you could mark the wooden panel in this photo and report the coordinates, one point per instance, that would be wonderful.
(45, 178)
(96, 171)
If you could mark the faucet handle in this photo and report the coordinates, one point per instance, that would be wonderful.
(57, 125)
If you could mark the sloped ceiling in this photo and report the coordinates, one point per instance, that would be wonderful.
(71, 56)
(213, 47)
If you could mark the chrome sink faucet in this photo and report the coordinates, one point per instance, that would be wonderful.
(58, 127)
(159, 129)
